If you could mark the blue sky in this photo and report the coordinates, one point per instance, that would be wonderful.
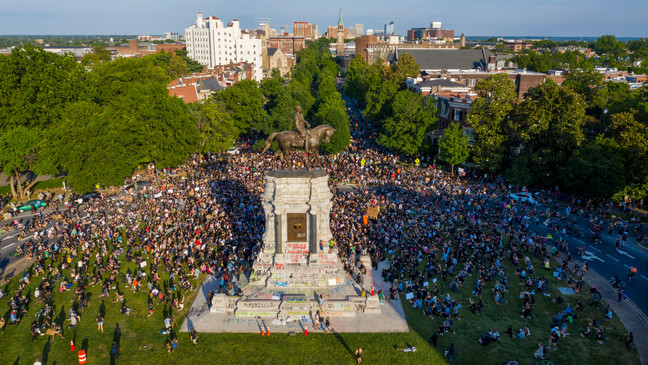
(472, 17)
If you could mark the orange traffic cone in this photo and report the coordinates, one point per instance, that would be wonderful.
(373, 290)
(305, 330)
(268, 331)
(262, 331)
(71, 345)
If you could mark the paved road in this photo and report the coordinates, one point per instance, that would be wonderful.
(9, 241)
(606, 260)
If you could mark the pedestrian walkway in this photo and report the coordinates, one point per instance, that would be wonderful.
(633, 318)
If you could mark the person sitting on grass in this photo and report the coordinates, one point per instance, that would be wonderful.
(476, 307)
(539, 353)
(125, 310)
(409, 349)
(444, 327)
(628, 339)
(600, 336)
(587, 332)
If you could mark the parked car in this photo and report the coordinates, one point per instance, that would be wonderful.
(524, 197)
(87, 197)
(27, 206)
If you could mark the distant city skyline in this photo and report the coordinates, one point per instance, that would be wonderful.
(575, 18)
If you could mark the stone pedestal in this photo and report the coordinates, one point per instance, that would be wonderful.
(219, 303)
(291, 270)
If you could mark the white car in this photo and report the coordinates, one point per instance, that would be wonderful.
(233, 151)
(524, 197)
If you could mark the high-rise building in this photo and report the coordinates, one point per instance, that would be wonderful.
(305, 29)
(389, 29)
(358, 29)
(212, 43)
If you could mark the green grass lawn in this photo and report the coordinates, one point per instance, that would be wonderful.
(572, 349)
(142, 344)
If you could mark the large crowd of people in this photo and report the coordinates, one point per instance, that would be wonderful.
(205, 217)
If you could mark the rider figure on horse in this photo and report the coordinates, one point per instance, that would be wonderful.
(301, 124)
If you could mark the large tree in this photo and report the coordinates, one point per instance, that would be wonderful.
(99, 54)
(330, 109)
(490, 117)
(632, 139)
(215, 126)
(36, 87)
(549, 123)
(404, 68)
(608, 44)
(244, 101)
(358, 77)
(412, 119)
(453, 146)
(589, 84)
(331, 113)
(129, 119)
(21, 151)
(594, 170)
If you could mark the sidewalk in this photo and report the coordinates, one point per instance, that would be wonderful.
(631, 316)
(16, 268)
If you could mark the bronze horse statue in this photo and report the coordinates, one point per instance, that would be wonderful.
(310, 144)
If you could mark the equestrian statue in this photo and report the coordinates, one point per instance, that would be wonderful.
(307, 139)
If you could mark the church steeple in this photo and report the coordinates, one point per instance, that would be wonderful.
(340, 35)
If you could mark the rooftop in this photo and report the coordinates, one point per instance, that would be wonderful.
(448, 59)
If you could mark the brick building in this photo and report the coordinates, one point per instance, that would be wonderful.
(306, 30)
(331, 32)
(287, 44)
(518, 45)
(434, 32)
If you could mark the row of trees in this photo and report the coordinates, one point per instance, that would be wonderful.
(610, 51)
(548, 139)
(97, 125)
(269, 106)
(403, 117)
(99, 119)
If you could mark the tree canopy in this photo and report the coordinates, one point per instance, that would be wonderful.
(453, 146)
(412, 119)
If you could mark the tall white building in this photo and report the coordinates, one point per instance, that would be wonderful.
(212, 44)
